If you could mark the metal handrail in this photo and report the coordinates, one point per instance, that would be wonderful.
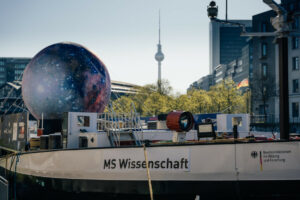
(3, 180)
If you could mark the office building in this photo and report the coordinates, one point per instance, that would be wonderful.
(265, 84)
(203, 83)
(225, 42)
(225, 46)
(11, 69)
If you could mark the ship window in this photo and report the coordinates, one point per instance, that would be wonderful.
(237, 121)
(205, 128)
(83, 121)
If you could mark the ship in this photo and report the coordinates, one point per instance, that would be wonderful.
(109, 157)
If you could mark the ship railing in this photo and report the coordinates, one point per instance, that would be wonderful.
(271, 119)
(139, 127)
(116, 124)
(3, 188)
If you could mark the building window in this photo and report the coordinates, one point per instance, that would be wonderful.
(296, 23)
(19, 71)
(295, 109)
(264, 90)
(20, 66)
(219, 80)
(239, 70)
(262, 109)
(264, 27)
(264, 70)
(292, 7)
(219, 73)
(295, 86)
(240, 62)
(295, 63)
(295, 41)
(264, 49)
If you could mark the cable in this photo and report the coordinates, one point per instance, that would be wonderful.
(148, 173)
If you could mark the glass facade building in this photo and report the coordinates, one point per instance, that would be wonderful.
(225, 42)
(11, 69)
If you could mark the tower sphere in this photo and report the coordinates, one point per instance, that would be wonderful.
(159, 56)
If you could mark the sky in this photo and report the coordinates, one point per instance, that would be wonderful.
(123, 33)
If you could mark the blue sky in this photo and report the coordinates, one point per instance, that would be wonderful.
(123, 33)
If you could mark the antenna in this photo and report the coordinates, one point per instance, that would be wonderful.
(159, 26)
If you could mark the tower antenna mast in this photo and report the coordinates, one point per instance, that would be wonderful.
(159, 56)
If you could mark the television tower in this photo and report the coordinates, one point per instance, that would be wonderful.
(159, 56)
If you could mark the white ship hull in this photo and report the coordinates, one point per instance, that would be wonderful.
(188, 170)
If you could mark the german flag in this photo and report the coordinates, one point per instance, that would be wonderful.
(243, 83)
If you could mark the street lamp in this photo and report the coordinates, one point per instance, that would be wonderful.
(280, 23)
(212, 13)
(212, 10)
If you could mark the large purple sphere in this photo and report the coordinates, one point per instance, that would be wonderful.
(65, 77)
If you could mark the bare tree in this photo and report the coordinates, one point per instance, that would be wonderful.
(263, 88)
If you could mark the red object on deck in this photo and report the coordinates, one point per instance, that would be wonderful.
(40, 132)
(180, 121)
(173, 121)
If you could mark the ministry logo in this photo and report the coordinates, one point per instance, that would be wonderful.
(254, 154)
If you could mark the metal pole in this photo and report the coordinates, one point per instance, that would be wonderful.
(42, 120)
(283, 87)
(226, 11)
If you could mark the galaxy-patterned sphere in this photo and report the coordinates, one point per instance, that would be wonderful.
(65, 77)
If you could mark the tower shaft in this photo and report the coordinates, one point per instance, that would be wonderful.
(159, 71)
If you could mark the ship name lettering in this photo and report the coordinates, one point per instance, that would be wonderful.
(128, 163)
(110, 164)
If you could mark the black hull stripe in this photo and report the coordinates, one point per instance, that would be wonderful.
(32, 187)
